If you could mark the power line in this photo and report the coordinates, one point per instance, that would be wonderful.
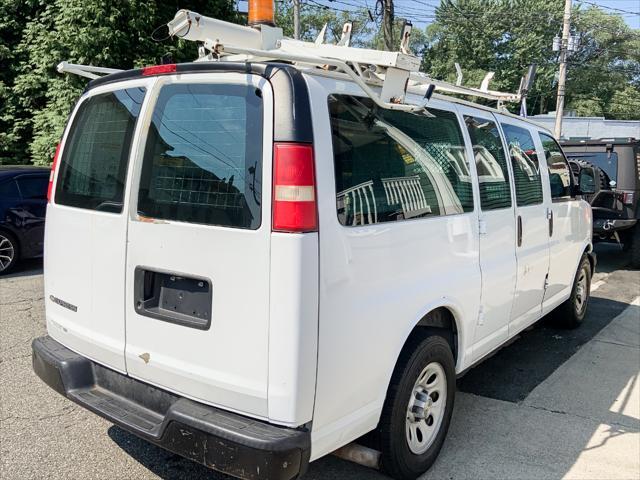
(594, 4)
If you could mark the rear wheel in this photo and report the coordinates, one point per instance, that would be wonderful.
(572, 312)
(8, 252)
(418, 407)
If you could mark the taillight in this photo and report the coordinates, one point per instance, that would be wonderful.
(627, 198)
(159, 69)
(294, 193)
(54, 164)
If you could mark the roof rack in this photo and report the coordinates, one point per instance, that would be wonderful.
(88, 71)
(392, 72)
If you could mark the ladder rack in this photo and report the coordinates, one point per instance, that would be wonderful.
(393, 71)
(382, 75)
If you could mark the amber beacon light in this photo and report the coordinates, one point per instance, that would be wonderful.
(261, 12)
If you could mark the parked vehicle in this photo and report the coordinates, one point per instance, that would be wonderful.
(23, 204)
(254, 264)
(615, 204)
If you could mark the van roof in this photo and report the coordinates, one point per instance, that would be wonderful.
(267, 70)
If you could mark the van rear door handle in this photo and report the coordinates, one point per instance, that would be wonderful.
(519, 231)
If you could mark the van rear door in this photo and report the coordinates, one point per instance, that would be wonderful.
(86, 226)
(197, 292)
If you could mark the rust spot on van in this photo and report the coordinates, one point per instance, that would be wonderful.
(145, 357)
(142, 218)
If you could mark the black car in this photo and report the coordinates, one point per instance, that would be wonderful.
(23, 206)
(616, 202)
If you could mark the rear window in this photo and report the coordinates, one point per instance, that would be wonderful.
(93, 167)
(393, 166)
(203, 157)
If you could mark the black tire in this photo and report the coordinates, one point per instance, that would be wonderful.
(397, 459)
(572, 312)
(633, 239)
(8, 247)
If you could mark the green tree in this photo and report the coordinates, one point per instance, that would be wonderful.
(314, 17)
(604, 73)
(505, 36)
(109, 33)
(13, 18)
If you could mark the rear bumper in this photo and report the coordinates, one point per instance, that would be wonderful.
(606, 226)
(221, 440)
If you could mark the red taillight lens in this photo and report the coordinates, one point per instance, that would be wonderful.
(159, 69)
(54, 165)
(294, 192)
(627, 198)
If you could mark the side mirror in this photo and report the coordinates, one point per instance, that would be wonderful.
(587, 180)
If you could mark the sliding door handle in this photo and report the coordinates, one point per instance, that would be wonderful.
(519, 231)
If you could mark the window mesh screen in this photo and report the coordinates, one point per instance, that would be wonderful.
(526, 169)
(203, 158)
(93, 166)
(491, 163)
(392, 166)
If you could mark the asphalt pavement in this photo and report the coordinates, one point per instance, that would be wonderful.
(553, 404)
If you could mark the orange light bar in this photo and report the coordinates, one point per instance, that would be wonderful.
(261, 12)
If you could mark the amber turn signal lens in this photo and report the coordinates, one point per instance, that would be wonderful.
(261, 12)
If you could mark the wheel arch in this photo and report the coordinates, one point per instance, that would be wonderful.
(590, 254)
(444, 317)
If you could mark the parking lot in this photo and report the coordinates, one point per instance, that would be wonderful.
(553, 404)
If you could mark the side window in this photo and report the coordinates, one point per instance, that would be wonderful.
(392, 166)
(203, 158)
(9, 189)
(33, 186)
(526, 170)
(93, 167)
(491, 163)
(559, 172)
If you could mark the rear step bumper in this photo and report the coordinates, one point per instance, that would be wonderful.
(221, 440)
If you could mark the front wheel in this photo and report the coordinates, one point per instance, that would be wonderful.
(572, 312)
(418, 407)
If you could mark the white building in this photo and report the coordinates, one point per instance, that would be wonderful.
(590, 127)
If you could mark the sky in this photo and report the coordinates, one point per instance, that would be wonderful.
(421, 11)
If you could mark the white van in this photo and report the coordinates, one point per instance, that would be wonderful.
(251, 265)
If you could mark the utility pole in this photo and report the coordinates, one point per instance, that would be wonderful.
(296, 19)
(387, 25)
(562, 75)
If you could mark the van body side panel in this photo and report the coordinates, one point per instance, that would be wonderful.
(85, 246)
(293, 327)
(200, 220)
(376, 282)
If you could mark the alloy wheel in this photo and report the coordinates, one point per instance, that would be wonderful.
(7, 252)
